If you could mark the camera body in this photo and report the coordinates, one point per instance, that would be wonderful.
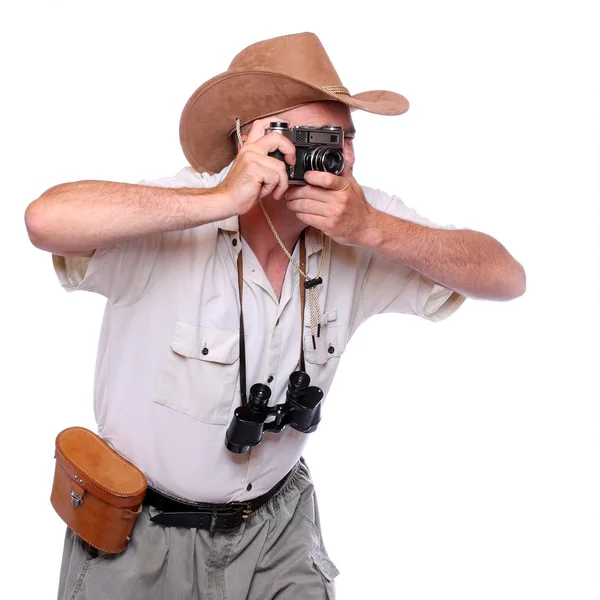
(317, 149)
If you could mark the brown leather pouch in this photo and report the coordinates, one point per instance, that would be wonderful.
(96, 491)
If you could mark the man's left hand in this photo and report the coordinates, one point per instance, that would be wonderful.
(335, 205)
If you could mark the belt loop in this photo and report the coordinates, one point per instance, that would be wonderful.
(213, 522)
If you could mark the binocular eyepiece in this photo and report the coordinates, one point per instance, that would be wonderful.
(301, 411)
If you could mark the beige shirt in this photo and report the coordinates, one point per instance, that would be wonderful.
(165, 404)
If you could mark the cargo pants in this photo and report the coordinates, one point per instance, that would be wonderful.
(277, 553)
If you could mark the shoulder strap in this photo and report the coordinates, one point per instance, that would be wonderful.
(302, 295)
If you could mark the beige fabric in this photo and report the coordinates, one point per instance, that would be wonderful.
(163, 403)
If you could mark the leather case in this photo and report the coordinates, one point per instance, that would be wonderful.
(96, 491)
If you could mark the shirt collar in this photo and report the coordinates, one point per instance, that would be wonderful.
(230, 224)
(313, 236)
(313, 241)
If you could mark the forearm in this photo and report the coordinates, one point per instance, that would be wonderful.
(469, 262)
(85, 215)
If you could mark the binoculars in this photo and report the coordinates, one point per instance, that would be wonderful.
(301, 411)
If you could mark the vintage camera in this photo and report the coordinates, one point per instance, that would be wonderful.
(317, 149)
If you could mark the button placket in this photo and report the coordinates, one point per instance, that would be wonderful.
(233, 242)
(274, 354)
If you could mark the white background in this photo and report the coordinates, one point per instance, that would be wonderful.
(455, 460)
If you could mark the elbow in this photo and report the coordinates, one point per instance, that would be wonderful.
(34, 223)
(515, 282)
(503, 283)
(43, 221)
(48, 227)
(521, 281)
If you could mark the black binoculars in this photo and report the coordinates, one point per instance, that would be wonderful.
(301, 411)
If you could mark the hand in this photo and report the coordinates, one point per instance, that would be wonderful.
(254, 174)
(335, 205)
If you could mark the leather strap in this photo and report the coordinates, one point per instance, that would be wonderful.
(240, 268)
(203, 515)
(302, 296)
(213, 521)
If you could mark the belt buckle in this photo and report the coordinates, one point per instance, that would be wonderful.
(245, 507)
(230, 508)
(247, 511)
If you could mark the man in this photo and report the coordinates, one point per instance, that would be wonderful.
(178, 259)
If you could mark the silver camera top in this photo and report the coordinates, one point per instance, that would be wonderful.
(309, 135)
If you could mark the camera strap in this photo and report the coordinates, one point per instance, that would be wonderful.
(309, 283)
(302, 289)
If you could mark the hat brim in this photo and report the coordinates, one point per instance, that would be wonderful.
(210, 114)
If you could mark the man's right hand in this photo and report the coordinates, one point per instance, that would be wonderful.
(254, 174)
(76, 217)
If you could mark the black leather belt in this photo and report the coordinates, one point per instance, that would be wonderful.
(203, 515)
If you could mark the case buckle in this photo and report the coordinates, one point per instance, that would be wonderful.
(76, 499)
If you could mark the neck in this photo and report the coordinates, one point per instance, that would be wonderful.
(258, 235)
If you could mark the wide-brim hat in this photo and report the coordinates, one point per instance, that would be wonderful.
(267, 78)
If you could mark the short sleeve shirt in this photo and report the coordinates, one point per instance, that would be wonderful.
(167, 371)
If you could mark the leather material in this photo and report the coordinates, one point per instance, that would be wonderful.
(201, 520)
(96, 491)
(203, 515)
(266, 78)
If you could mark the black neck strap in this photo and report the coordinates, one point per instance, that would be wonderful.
(240, 269)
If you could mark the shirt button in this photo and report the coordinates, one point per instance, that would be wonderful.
(205, 351)
(270, 379)
(331, 349)
(234, 242)
(249, 487)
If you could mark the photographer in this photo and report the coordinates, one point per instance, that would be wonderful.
(235, 273)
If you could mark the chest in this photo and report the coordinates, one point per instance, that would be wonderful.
(275, 272)
(201, 287)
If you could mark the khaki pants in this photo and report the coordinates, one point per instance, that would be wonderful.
(277, 553)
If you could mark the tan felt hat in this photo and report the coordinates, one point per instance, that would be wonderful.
(266, 78)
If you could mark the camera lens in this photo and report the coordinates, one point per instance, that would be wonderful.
(333, 161)
(321, 158)
(278, 125)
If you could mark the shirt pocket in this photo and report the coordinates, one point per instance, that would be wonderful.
(200, 374)
(330, 344)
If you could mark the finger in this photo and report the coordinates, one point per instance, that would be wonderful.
(308, 191)
(326, 180)
(269, 180)
(257, 130)
(276, 165)
(313, 220)
(257, 134)
(310, 207)
(262, 169)
(276, 141)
